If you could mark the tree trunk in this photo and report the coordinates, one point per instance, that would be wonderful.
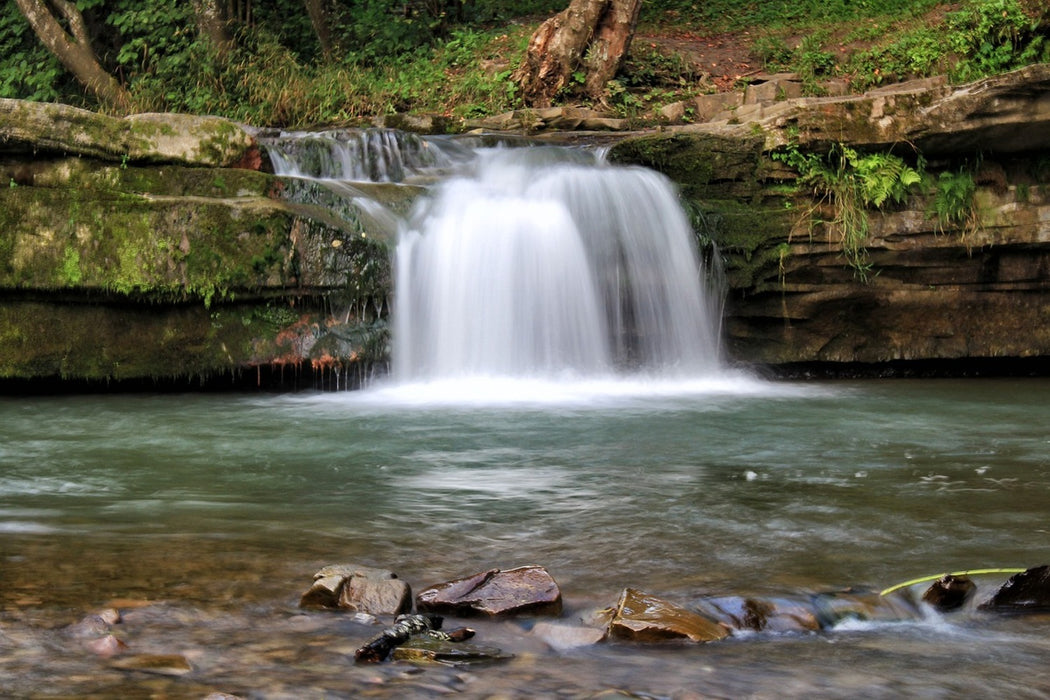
(582, 45)
(73, 49)
(212, 25)
(319, 21)
(609, 45)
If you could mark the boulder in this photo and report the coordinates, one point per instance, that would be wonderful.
(323, 593)
(388, 596)
(642, 617)
(949, 592)
(361, 589)
(39, 127)
(529, 590)
(706, 107)
(1024, 592)
(773, 88)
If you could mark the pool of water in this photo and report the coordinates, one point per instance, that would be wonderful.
(203, 518)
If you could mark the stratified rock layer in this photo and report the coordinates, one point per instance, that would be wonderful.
(934, 292)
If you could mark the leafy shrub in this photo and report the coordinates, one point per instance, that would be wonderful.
(27, 70)
(992, 36)
(652, 66)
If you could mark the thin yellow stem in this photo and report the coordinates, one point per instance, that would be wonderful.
(934, 577)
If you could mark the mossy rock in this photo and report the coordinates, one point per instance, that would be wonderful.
(111, 339)
(699, 162)
(37, 127)
(752, 239)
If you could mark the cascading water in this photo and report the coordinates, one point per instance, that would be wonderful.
(534, 263)
(546, 263)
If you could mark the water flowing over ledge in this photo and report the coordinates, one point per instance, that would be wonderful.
(529, 263)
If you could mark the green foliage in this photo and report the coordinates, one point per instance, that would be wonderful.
(954, 203)
(915, 53)
(456, 56)
(852, 183)
(648, 65)
(992, 36)
(27, 70)
(773, 51)
(811, 61)
(728, 15)
(982, 38)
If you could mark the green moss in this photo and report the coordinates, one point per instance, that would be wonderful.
(702, 163)
(178, 247)
(71, 267)
(751, 240)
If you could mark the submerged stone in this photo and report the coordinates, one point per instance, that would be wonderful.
(561, 637)
(158, 664)
(642, 617)
(524, 590)
(1025, 592)
(106, 646)
(760, 615)
(832, 608)
(429, 650)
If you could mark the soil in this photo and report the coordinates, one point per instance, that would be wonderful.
(723, 59)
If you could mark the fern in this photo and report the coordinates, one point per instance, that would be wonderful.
(955, 204)
(853, 182)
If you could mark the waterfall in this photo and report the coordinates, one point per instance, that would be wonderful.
(540, 263)
(531, 263)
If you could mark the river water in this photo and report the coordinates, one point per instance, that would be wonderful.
(203, 517)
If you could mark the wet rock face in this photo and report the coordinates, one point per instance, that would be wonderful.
(528, 590)
(946, 296)
(641, 617)
(758, 615)
(1025, 592)
(950, 592)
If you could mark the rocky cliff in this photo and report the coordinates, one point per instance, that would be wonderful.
(150, 249)
(153, 249)
(968, 294)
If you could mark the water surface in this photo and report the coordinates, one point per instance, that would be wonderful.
(205, 516)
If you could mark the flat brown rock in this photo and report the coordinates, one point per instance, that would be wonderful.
(524, 590)
(642, 617)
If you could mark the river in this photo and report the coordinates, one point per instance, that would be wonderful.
(202, 517)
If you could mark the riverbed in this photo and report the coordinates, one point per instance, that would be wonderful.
(202, 518)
